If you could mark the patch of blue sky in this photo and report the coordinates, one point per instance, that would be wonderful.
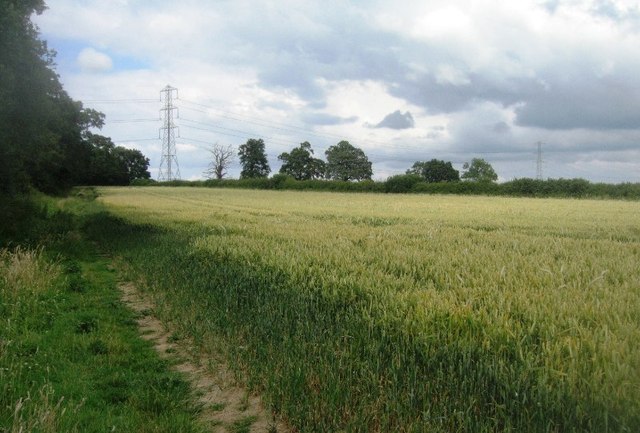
(68, 50)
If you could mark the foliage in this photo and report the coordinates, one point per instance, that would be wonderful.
(548, 188)
(253, 159)
(574, 188)
(479, 170)
(221, 159)
(113, 165)
(402, 183)
(300, 163)
(342, 308)
(346, 162)
(435, 171)
(44, 135)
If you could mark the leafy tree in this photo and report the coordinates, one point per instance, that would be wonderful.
(113, 165)
(479, 170)
(29, 91)
(346, 162)
(435, 171)
(300, 163)
(221, 159)
(136, 165)
(253, 159)
(44, 134)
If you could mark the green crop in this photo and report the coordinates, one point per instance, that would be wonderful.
(400, 313)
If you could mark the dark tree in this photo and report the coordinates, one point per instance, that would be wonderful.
(253, 159)
(435, 171)
(44, 135)
(136, 165)
(113, 165)
(300, 163)
(479, 170)
(221, 159)
(346, 162)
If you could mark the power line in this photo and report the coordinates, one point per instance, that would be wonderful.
(289, 128)
(245, 133)
(119, 101)
(131, 140)
(383, 154)
(233, 132)
(157, 119)
(267, 123)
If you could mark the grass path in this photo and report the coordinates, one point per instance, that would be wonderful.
(225, 407)
(83, 351)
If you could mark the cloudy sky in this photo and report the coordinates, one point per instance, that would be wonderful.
(404, 81)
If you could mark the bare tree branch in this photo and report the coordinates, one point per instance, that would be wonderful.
(221, 159)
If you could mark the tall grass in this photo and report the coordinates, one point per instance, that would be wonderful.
(26, 275)
(398, 313)
(71, 358)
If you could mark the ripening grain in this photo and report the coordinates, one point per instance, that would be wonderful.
(369, 312)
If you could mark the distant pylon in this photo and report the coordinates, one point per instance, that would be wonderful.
(539, 161)
(169, 169)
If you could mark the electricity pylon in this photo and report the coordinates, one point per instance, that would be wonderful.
(169, 169)
(539, 161)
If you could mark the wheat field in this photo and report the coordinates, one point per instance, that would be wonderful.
(373, 312)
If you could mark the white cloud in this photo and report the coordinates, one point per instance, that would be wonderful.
(476, 75)
(443, 23)
(92, 61)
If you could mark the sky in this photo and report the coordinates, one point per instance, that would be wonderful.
(404, 81)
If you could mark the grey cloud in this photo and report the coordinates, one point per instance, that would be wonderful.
(396, 120)
(438, 98)
(347, 48)
(592, 103)
(337, 45)
(327, 119)
(435, 132)
(343, 46)
(501, 128)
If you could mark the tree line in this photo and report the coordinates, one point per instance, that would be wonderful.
(347, 169)
(45, 136)
(344, 162)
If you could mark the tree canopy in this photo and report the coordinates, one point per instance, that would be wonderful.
(253, 159)
(113, 165)
(346, 162)
(479, 170)
(44, 134)
(300, 163)
(435, 171)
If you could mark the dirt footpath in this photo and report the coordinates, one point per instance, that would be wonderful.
(225, 406)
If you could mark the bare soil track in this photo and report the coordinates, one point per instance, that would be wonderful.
(225, 406)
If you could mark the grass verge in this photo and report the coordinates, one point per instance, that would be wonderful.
(71, 359)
